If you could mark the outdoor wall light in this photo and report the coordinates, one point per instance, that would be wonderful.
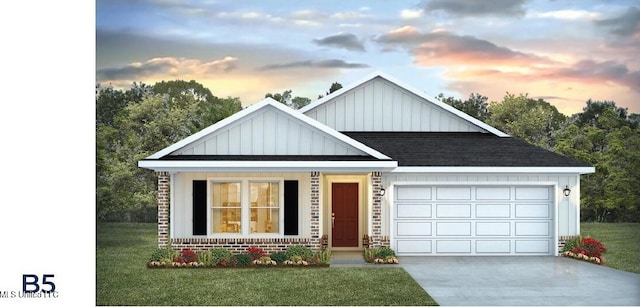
(566, 191)
(382, 192)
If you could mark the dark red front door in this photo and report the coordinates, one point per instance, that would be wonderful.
(344, 205)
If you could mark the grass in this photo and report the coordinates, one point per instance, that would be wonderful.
(622, 241)
(122, 278)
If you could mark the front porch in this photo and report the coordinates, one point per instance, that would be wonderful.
(318, 211)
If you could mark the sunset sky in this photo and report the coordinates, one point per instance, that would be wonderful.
(562, 51)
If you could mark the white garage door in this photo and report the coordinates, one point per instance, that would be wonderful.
(473, 220)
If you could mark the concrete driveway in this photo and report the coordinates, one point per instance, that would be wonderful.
(538, 281)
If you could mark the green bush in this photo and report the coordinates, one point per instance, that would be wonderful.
(165, 254)
(384, 252)
(242, 260)
(279, 257)
(369, 254)
(299, 250)
(204, 257)
(322, 257)
(221, 257)
(571, 244)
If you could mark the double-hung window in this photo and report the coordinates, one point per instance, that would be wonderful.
(246, 207)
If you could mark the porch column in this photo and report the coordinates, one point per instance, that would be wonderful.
(376, 206)
(315, 210)
(163, 209)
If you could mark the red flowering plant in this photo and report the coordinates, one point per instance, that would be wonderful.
(588, 249)
(255, 253)
(186, 256)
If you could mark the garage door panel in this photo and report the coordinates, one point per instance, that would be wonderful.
(453, 211)
(453, 193)
(453, 246)
(493, 193)
(493, 246)
(493, 229)
(532, 246)
(493, 211)
(410, 193)
(407, 228)
(532, 210)
(453, 228)
(532, 193)
(532, 228)
(413, 210)
(415, 246)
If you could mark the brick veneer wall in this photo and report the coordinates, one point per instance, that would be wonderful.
(376, 219)
(163, 208)
(315, 210)
(237, 246)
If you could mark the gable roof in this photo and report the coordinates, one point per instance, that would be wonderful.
(465, 149)
(267, 103)
(423, 98)
(255, 141)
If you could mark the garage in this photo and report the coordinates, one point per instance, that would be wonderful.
(473, 220)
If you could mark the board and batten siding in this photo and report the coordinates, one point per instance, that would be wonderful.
(568, 212)
(182, 202)
(268, 132)
(379, 105)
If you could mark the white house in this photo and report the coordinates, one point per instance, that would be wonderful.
(374, 163)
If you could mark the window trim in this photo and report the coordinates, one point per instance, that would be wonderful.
(245, 207)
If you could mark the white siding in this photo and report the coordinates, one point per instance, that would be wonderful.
(269, 132)
(182, 206)
(379, 105)
(568, 218)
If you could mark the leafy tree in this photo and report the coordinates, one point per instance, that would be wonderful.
(299, 102)
(603, 136)
(145, 119)
(476, 105)
(531, 120)
(334, 87)
(283, 98)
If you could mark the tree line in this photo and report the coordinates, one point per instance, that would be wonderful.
(134, 123)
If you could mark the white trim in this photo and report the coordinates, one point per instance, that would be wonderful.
(272, 166)
(245, 207)
(254, 108)
(171, 205)
(414, 91)
(495, 169)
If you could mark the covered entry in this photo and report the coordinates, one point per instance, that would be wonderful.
(473, 220)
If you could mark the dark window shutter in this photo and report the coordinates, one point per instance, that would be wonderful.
(199, 207)
(291, 207)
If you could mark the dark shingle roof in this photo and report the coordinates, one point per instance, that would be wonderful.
(461, 149)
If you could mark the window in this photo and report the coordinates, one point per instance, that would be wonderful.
(265, 207)
(226, 207)
(246, 207)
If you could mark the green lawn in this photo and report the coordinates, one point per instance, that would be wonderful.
(622, 241)
(122, 279)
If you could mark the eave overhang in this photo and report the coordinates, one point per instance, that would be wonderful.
(268, 166)
(492, 169)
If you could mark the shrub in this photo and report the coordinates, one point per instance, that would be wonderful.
(592, 247)
(221, 257)
(186, 256)
(384, 252)
(571, 244)
(369, 254)
(299, 250)
(279, 257)
(163, 255)
(204, 258)
(255, 253)
(322, 257)
(242, 260)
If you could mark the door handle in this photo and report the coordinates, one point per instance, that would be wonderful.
(333, 220)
